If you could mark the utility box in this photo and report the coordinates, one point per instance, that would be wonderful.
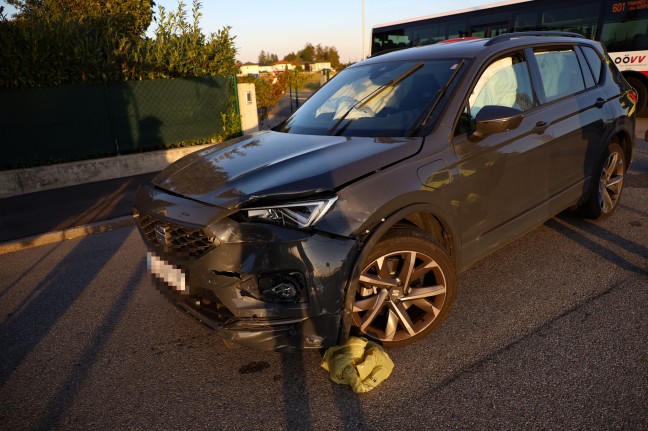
(248, 108)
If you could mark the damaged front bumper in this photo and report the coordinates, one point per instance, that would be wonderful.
(261, 285)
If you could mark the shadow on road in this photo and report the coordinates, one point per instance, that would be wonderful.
(64, 397)
(574, 229)
(28, 324)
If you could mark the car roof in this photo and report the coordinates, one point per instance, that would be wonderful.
(463, 49)
(471, 48)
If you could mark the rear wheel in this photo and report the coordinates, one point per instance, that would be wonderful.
(607, 184)
(642, 93)
(406, 289)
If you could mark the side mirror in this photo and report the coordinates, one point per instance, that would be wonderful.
(495, 119)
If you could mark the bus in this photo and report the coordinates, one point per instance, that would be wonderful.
(621, 25)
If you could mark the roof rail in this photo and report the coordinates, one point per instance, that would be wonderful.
(508, 36)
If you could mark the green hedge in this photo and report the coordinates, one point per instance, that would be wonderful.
(64, 43)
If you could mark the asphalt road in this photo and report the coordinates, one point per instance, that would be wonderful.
(550, 332)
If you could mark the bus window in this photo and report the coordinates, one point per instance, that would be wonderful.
(427, 34)
(625, 30)
(581, 19)
(457, 29)
(526, 21)
(408, 36)
(478, 31)
(490, 30)
(390, 40)
(497, 29)
(380, 41)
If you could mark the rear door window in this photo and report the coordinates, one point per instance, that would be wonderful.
(560, 72)
(594, 61)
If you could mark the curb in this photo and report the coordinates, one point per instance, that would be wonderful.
(28, 180)
(65, 234)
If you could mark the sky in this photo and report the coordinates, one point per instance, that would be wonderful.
(284, 26)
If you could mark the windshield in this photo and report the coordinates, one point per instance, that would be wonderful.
(383, 99)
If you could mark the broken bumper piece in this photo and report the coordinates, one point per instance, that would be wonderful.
(275, 334)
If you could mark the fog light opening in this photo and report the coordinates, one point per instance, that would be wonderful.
(282, 287)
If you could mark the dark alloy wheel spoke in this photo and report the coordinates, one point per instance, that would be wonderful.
(400, 294)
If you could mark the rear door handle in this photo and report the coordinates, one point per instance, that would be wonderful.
(540, 127)
(599, 103)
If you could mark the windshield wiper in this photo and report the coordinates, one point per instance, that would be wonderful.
(369, 97)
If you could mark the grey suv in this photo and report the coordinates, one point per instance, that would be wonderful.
(355, 215)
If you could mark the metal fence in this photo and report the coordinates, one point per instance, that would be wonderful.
(284, 109)
(74, 122)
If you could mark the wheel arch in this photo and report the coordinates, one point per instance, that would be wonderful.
(422, 216)
(425, 217)
(622, 136)
(432, 226)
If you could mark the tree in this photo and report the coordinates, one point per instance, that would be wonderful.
(307, 54)
(291, 57)
(179, 49)
(266, 59)
(312, 53)
(53, 42)
(334, 57)
(321, 53)
(268, 90)
(263, 58)
(127, 17)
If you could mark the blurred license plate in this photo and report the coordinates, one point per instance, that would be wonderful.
(173, 276)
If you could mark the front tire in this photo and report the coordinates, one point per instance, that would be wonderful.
(406, 289)
(607, 184)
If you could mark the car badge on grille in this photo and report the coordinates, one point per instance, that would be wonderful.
(161, 234)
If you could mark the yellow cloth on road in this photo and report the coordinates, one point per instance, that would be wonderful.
(359, 363)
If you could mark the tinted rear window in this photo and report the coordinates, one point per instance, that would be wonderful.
(560, 72)
(594, 61)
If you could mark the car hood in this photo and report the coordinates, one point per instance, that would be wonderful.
(271, 166)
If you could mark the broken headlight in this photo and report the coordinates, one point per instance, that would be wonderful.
(298, 214)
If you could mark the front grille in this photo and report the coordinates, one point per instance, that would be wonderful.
(182, 241)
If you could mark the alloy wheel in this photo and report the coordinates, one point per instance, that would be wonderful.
(400, 295)
(611, 182)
